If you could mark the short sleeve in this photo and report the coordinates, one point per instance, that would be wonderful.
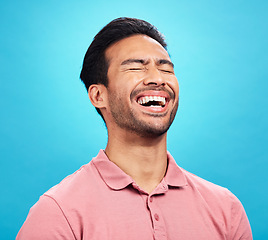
(240, 227)
(46, 221)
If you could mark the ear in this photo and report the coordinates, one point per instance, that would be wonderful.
(97, 95)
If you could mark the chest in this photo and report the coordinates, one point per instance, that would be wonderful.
(165, 217)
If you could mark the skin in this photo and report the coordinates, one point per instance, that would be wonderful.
(138, 66)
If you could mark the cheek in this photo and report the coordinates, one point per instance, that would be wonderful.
(118, 98)
(174, 84)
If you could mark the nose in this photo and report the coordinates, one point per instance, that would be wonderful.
(154, 77)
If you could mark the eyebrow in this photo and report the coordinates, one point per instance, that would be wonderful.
(144, 61)
(134, 60)
(165, 61)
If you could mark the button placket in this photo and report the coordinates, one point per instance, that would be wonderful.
(157, 221)
(156, 217)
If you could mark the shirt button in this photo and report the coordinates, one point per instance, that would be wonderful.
(151, 200)
(156, 217)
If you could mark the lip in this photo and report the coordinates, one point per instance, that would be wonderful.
(153, 93)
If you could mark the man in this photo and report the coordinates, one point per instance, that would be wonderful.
(133, 189)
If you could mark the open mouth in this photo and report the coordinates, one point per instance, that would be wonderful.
(152, 101)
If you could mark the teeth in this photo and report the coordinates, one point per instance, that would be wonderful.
(146, 99)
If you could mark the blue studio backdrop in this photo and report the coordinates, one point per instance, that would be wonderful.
(48, 128)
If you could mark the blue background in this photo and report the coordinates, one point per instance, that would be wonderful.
(49, 128)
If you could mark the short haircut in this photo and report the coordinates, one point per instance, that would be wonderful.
(95, 65)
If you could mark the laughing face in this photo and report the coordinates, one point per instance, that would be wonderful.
(142, 90)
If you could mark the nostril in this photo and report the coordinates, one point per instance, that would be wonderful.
(156, 80)
(156, 83)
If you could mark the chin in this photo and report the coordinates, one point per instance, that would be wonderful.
(150, 131)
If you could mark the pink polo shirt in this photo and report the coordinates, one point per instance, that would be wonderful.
(100, 201)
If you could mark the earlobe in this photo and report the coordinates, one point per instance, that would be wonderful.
(96, 93)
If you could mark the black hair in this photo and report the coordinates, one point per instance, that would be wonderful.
(95, 65)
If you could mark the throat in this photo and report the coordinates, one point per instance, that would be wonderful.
(143, 159)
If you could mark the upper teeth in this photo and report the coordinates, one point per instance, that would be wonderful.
(147, 99)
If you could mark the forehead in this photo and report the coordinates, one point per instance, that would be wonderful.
(137, 46)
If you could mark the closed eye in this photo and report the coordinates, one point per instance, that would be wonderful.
(166, 71)
(135, 69)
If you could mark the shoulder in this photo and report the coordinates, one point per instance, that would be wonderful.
(202, 184)
(178, 176)
(222, 202)
(70, 183)
(45, 220)
(58, 211)
(219, 200)
(209, 191)
(78, 189)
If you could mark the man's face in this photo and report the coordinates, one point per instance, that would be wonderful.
(142, 88)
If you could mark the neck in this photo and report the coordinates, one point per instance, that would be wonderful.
(144, 159)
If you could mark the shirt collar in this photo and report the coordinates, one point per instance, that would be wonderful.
(112, 175)
(174, 176)
(117, 179)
